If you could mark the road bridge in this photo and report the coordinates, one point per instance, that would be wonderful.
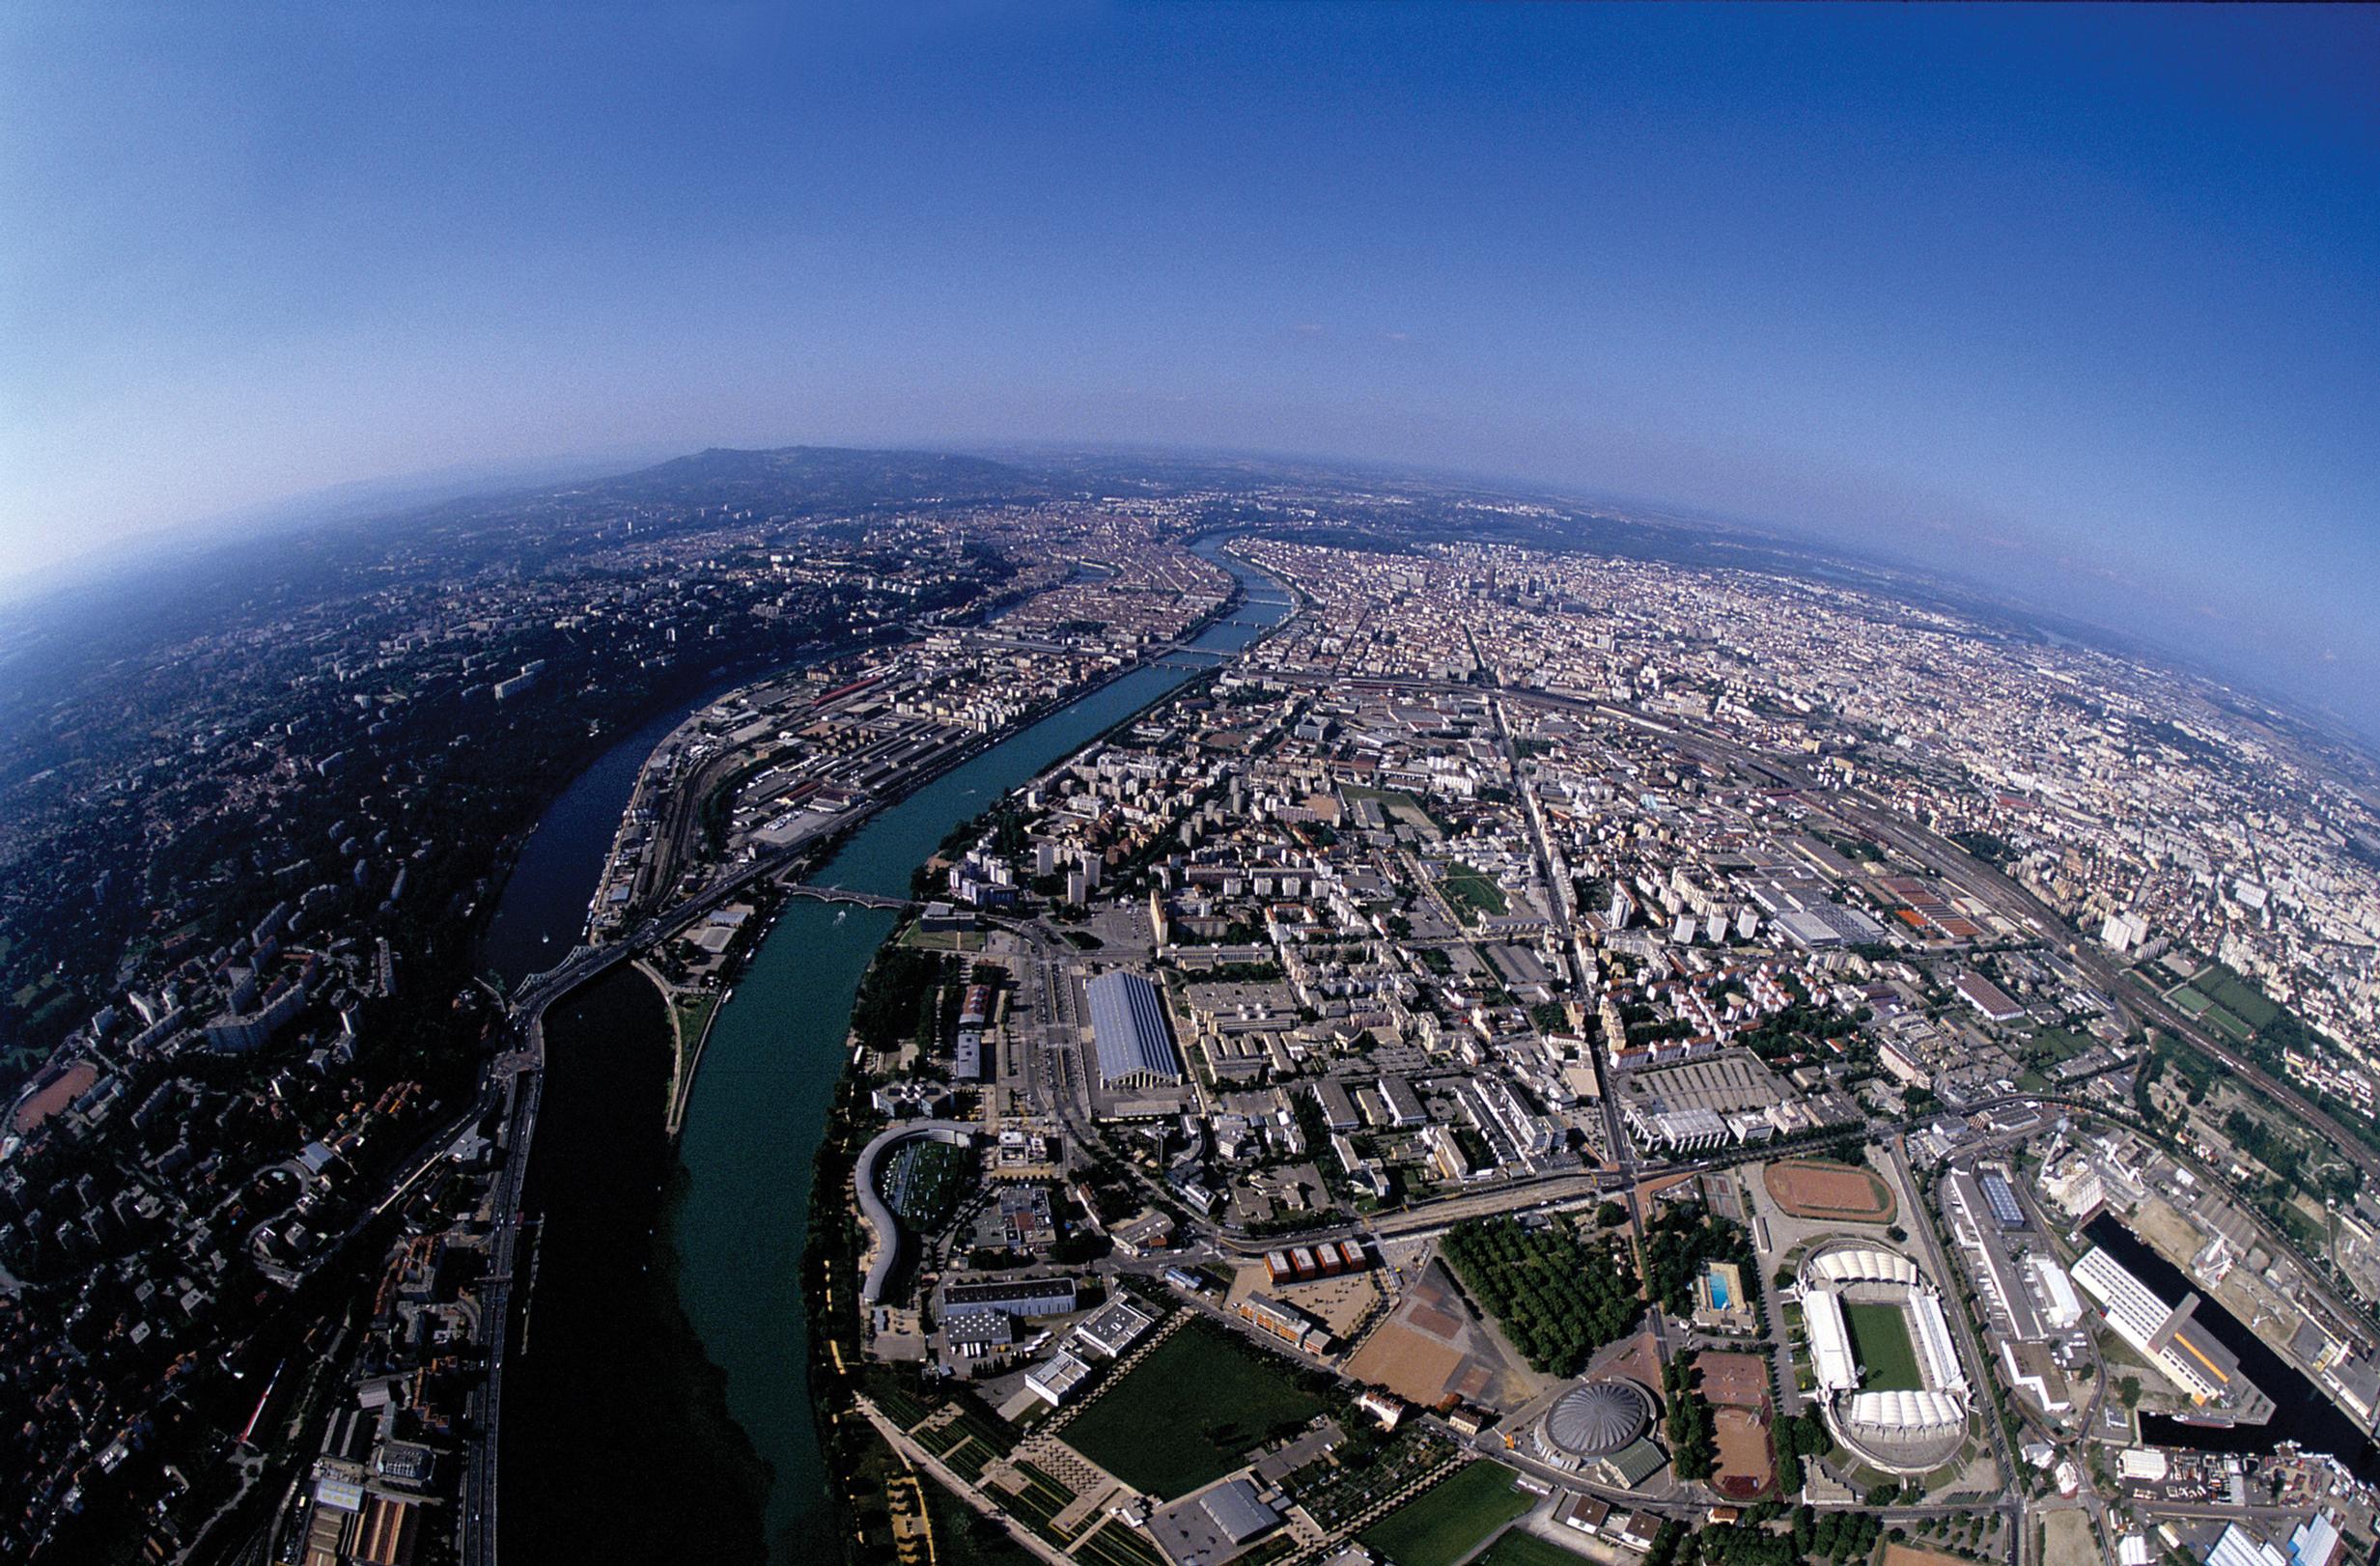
(856, 899)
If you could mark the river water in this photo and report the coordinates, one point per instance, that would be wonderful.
(741, 1186)
(760, 1105)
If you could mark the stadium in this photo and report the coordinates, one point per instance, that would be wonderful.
(1890, 1386)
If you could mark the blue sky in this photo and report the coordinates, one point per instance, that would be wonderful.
(2079, 303)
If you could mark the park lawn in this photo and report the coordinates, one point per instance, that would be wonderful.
(1448, 1521)
(2062, 1045)
(2242, 999)
(694, 1008)
(1518, 1548)
(1185, 1415)
(1394, 804)
(1475, 891)
(943, 940)
(2067, 1539)
(1880, 1337)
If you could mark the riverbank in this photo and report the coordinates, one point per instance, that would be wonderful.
(2303, 1415)
(763, 1107)
(720, 1222)
(826, 850)
(545, 880)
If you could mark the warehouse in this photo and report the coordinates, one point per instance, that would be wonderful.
(1128, 1028)
(2166, 1335)
(1017, 1297)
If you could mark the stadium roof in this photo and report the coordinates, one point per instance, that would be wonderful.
(1128, 1026)
(1829, 1343)
(1861, 1264)
(1906, 1411)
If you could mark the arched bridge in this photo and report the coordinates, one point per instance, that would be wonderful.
(843, 894)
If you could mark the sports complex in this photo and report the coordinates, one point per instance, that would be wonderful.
(1890, 1386)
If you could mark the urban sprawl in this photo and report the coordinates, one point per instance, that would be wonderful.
(1550, 1051)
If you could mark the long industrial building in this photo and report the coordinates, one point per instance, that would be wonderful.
(1127, 1029)
(2173, 1342)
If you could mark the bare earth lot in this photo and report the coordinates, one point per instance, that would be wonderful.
(1820, 1188)
(1429, 1346)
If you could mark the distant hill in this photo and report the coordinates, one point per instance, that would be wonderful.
(820, 478)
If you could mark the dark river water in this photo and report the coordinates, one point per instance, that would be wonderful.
(725, 1374)
(2302, 1412)
(616, 1445)
(543, 909)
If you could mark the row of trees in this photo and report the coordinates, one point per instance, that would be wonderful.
(1751, 1540)
(1796, 1437)
(1558, 1298)
(1836, 1535)
(1694, 1448)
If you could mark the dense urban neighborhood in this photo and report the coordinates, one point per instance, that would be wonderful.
(1514, 1033)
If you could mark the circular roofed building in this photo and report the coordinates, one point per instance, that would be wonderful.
(1593, 1420)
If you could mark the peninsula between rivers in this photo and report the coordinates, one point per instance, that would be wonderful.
(666, 1310)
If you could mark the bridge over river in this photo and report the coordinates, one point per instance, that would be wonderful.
(584, 963)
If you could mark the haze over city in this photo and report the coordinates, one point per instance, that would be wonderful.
(2075, 305)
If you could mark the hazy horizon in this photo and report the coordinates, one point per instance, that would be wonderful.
(397, 496)
(2075, 306)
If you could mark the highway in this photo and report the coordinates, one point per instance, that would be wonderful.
(479, 1517)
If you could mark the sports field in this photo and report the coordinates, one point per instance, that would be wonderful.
(1822, 1188)
(1448, 1521)
(1880, 1337)
(1395, 805)
(1518, 1548)
(1185, 1415)
(2226, 1002)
